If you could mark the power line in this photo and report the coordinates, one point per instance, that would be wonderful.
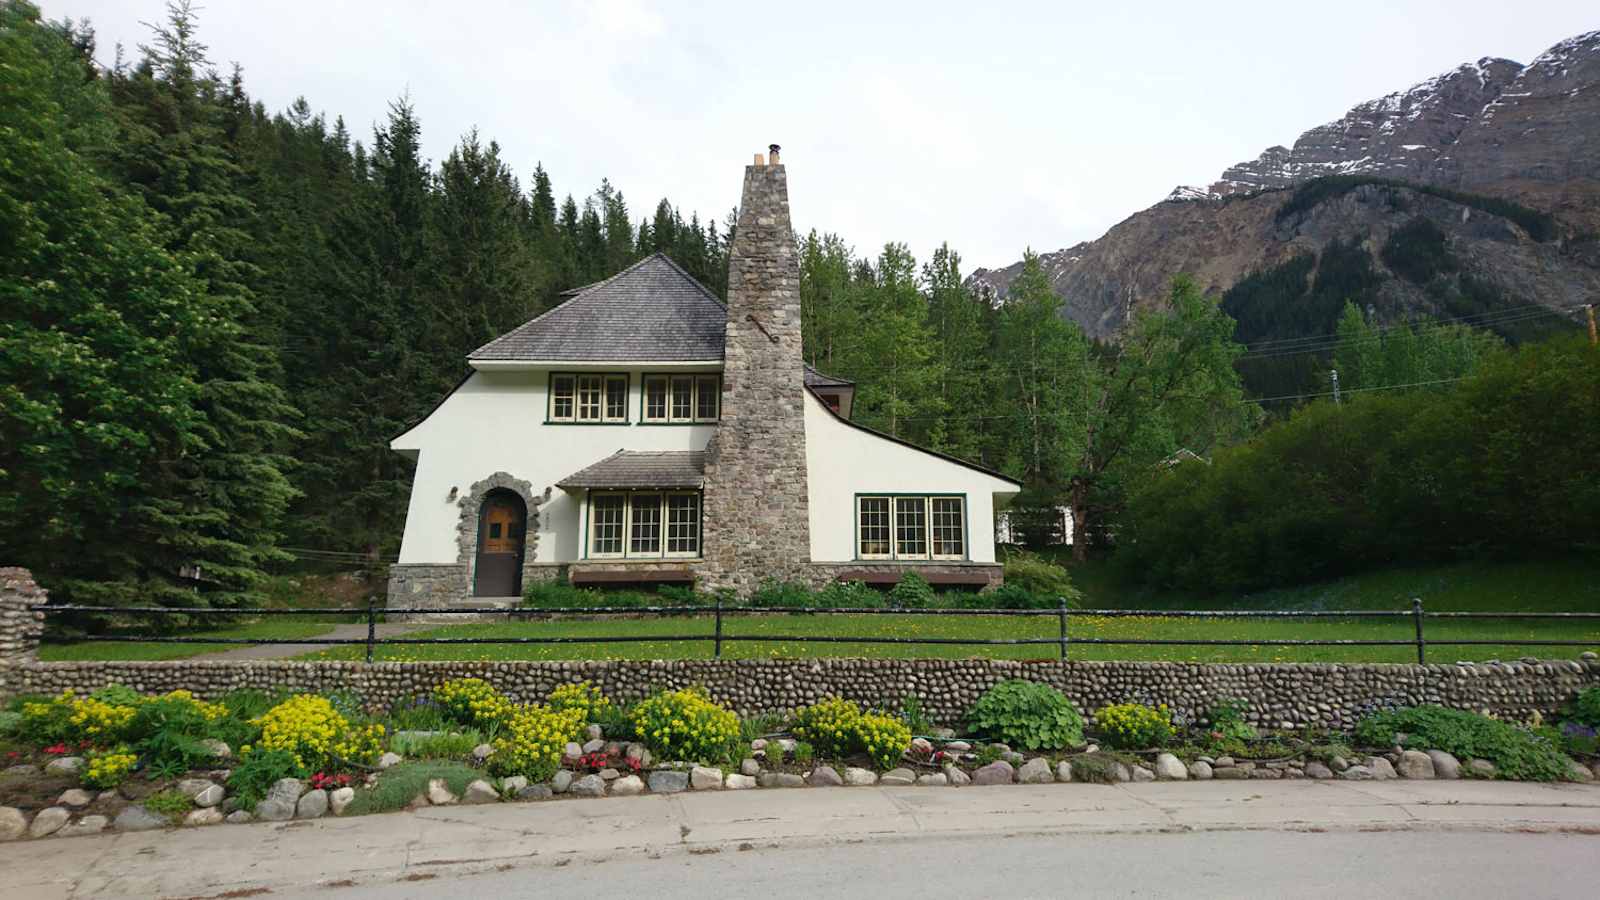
(1385, 387)
(1467, 319)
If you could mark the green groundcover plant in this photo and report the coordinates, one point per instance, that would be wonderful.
(1516, 752)
(1027, 714)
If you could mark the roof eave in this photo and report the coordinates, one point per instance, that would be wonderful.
(523, 365)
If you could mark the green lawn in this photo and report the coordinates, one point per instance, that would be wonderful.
(277, 627)
(1151, 627)
(1572, 585)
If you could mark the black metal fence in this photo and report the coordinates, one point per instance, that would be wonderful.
(1062, 613)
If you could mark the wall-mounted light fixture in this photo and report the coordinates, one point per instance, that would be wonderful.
(454, 491)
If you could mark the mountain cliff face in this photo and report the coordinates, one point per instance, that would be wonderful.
(1493, 130)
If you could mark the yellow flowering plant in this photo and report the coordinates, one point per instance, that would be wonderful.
(830, 725)
(473, 701)
(1134, 726)
(306, 726)
(583, 698)
(98, 721)
(105, 770)
(837, 727)
(686, 725)
(533, 739)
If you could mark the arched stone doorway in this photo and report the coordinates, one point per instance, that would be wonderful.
(502, 540)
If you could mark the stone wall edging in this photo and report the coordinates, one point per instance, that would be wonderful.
(1322, 695)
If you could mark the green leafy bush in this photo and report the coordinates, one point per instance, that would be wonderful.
(257, 772)
(1585, 708)
(686, 725)
(851, 594)
(1517, 753)
(1027, 714)
(912, 591)
(772, 592)
(1134, 726)
(1044, 582)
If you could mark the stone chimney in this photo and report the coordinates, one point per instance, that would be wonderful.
(757, 523)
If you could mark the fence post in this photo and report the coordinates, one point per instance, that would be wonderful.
(1061, 617)
(372, 625)
(717, 650)
(1422, 645)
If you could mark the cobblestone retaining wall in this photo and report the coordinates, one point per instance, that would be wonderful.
(1280, 694)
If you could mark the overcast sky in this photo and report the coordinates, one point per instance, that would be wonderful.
(993, 126)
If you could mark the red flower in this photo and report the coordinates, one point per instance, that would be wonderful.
(56, 749)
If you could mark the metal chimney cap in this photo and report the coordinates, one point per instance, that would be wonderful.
(774, 148)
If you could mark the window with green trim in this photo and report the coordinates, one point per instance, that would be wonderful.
(644, 524)
(583, 397)
(681, 399)
(911, 527)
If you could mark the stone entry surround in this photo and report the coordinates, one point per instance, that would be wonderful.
(440, 585)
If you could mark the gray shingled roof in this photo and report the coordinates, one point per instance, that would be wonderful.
(816, 379)
(651, 311)
(642, 469)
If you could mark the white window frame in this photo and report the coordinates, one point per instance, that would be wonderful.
(663, 524)
(894, 502)
(889, 538)
(577, 384)
(666, 525)
(669, 383)
(594, 524)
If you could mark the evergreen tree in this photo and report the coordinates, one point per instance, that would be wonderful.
(97, 398)
(221, 505)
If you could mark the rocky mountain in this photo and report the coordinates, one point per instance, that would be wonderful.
(1501, 160)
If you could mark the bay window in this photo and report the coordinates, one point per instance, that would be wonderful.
(629, 524)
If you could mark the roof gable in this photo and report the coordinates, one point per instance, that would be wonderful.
(651, 311)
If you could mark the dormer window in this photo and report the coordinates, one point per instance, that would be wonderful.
(681, 399)
(583, 398)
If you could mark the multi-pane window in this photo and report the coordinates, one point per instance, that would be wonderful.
(561, 397)
(872, 528)
(616, 398)
(707, 394)
(682, 399)
(607, 513)
(911, 527)
(628, 524)
(948, 528)
(588, 398)
(655, 398)
(683, 524)
(644, 527)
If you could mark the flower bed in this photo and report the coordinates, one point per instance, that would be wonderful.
(120, 760)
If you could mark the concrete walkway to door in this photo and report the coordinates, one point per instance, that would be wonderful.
(339, 632)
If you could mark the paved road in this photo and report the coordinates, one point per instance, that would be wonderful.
(889, 837)
(345, 632)
(1190, 866)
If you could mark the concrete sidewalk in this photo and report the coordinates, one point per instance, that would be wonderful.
(445, 841)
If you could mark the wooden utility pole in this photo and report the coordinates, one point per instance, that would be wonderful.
(1594, 337)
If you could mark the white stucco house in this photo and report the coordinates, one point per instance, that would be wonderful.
(643, 431)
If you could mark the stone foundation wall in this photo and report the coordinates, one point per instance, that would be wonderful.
(1280, 695)
(427, 586)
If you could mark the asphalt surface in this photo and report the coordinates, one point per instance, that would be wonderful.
(1195, 865)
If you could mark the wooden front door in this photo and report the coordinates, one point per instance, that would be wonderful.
(502, 524)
